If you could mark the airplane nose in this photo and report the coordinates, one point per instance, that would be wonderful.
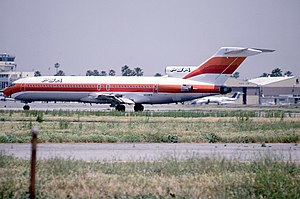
(6, 92)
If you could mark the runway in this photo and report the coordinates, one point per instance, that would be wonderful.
(151, 152)
(73, 106)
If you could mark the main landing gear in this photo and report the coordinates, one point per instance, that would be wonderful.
(26, 107)
(137, 107)
(120, 107)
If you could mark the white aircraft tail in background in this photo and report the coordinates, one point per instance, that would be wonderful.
(218, 100)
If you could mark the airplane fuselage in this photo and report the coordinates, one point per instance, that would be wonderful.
(142, 90)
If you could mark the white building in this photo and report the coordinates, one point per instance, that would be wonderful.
(267, 90)
(8, 72)
(278, 90)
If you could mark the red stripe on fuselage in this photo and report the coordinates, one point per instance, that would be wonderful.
(142, 88)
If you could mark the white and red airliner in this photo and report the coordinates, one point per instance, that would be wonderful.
(179, 85)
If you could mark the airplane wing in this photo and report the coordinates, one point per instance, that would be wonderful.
(227, 102)
(107, 98)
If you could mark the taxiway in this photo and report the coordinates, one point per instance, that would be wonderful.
(156, 151)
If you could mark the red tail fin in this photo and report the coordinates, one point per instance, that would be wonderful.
(223, 63)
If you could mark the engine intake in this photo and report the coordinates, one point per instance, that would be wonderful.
(225, 90)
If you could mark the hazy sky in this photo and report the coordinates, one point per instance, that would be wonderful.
(103, 35)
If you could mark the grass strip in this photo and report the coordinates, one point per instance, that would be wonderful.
(191, 178)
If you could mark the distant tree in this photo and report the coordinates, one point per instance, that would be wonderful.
(103, 73)
(112, 72)
(288, 73)
(236, 75)
(125, 71)
(157, 75)
(60, 73)
(37, 73)
(277, 72)
(89, 73)
(138, 71)
(132, 73)
(96, 73)
(265, 75)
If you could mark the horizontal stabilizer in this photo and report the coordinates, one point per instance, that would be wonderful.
(264, 50)
(241, 52)
(235, 51)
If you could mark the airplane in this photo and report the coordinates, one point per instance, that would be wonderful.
(205, 80)
(218, 100)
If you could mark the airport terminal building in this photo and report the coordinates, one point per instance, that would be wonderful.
(267, 90)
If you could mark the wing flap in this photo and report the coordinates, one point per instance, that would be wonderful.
(107, 98)
(125, 100)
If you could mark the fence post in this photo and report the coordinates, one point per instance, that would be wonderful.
(33, 163)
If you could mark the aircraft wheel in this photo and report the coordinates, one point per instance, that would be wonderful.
(138, 107)
(26, 107)
(120, 107)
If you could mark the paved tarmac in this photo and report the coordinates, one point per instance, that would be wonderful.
(73, 106)
(156, 151)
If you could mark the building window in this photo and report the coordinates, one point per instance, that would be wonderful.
(4, 84)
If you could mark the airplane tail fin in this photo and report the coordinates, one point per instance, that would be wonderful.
(236, 95)
(220, 66)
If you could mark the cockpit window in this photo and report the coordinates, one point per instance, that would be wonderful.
(10, 85)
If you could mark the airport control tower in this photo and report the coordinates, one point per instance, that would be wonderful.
(8, 70)
(7, 62)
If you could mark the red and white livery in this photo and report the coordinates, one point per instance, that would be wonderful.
(178, 86)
